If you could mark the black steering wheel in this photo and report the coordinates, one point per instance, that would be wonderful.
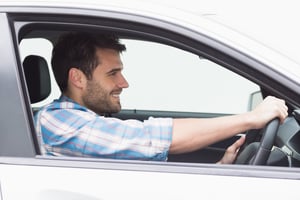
(257, 153)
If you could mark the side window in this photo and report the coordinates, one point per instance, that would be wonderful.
(166, 78)
(43, 48)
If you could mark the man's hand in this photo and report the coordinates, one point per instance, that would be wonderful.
(231, 152)
(270, 108)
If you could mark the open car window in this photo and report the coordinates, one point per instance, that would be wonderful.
(166, 81)
(165, 78)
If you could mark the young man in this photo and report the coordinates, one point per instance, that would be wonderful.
(88, 70)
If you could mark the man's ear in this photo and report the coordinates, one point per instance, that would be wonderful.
(77, 78)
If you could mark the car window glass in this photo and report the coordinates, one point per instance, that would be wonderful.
(164, 78)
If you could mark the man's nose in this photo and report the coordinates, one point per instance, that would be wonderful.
(123, 82)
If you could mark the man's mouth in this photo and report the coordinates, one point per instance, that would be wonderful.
(116, 95)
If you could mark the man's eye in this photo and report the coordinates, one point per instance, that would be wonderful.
(113, 73)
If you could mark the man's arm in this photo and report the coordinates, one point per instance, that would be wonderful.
(193, 134)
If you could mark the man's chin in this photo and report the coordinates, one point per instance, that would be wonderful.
(108, 110)
(115, 109)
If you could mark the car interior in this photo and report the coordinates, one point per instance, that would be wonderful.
(275, 145)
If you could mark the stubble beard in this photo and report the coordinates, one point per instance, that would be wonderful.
(97, 99)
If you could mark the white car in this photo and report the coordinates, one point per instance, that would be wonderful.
(178, 64)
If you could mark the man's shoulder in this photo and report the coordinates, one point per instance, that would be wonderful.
(59, 115)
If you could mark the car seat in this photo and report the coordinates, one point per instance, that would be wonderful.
(37, 78)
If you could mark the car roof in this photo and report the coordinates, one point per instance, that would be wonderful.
(211, 18)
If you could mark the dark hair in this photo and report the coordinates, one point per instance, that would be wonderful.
(78, 50)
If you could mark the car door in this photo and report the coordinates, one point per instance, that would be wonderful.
(160, 92)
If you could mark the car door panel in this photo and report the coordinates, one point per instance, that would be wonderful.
(90, 180)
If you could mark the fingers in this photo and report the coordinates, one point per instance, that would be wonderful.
(236, 145)
(269, 109)
(231, 152)
(282, 109)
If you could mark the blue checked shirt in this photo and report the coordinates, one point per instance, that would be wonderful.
(67, 128)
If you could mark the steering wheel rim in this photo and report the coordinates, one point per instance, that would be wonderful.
(258, 154)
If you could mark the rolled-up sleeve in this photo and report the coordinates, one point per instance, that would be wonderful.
(129, 139)
(81, 133)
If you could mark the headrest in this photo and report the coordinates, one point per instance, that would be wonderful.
(37, 78)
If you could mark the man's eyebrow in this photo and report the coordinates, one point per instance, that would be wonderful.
(117, 69)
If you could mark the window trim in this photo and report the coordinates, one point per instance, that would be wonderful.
(249, 171)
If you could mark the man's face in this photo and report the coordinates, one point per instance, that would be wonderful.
(102, 92)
